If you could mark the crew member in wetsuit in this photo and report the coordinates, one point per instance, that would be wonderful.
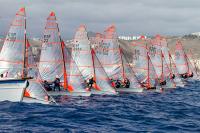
(91, 82)
(47, 86)
(57, 84)
(172, 76)
(112, 82)
(190, 75)
(118, 84)
(162, 82)
(184, 75)
(126, 83)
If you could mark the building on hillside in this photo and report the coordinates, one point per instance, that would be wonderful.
(130, 38)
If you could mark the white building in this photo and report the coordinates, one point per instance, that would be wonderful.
(130, 38)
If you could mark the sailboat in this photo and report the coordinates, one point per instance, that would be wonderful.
(162, 69)
(115, 63)
(15, 80)
(181, 61)
(169, 63)
(192, 64)
(56, 61)
(89, 65)
(143, 66)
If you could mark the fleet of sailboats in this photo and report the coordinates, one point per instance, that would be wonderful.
(89, 66)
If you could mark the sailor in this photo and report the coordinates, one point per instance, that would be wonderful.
(118, 84)
(184, 75)
(91, 82)
(87, 85)
(126, 83)
(190, 75)
(112, 82)
(47, 86)
(172, 76)
(162, 82)
(57, 83)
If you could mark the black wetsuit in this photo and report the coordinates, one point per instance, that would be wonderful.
(127, 83)
(57, 84)
(91, 82)
(117, 84)
(47, 86)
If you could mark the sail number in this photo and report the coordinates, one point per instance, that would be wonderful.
(46, 38)
(136, 54)
(76, 47)
(103, 49)
(152, 51)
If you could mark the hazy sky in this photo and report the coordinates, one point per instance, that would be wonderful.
(131, 17)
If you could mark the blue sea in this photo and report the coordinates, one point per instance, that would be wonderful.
(176, 110)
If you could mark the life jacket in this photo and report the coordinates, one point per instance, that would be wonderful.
(163, 82)
(57, 82)
(173, 76)
(191, 75)
(184, 75)
(117, 84)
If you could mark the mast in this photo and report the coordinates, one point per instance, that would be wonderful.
(123, 73)
(63, 56)
(148, 73)
(24, 72)
(192, 57)
(92, 53)
(162, 66)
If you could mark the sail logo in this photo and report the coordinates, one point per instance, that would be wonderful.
(103, 49)
(152, 51)
(11, 37)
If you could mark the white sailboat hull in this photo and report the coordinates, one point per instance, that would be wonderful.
(66, 93)
(133, 90)
(96, 92)
(12, 89)
(33, 100)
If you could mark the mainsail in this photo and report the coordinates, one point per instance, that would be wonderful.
(180, 59)
(142, 64)
(102, 80)
(114, 61)
(51, 58)
(12, 53)
(56, 60)
(16, 58)
(160, 58)
(81, 52)
(88, 64)
(155, 54)
(109, 54)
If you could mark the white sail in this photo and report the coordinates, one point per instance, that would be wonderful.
(51, 61)
(108, 52)
(81, 53)
(155, 54)
(12, 53)
(180, 59)
(75, 79)
(88, 64)
(142, 65)
(102, 80)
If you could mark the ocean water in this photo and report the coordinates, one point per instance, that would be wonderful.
(176, 110)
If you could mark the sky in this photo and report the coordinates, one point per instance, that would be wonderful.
(131, 17)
